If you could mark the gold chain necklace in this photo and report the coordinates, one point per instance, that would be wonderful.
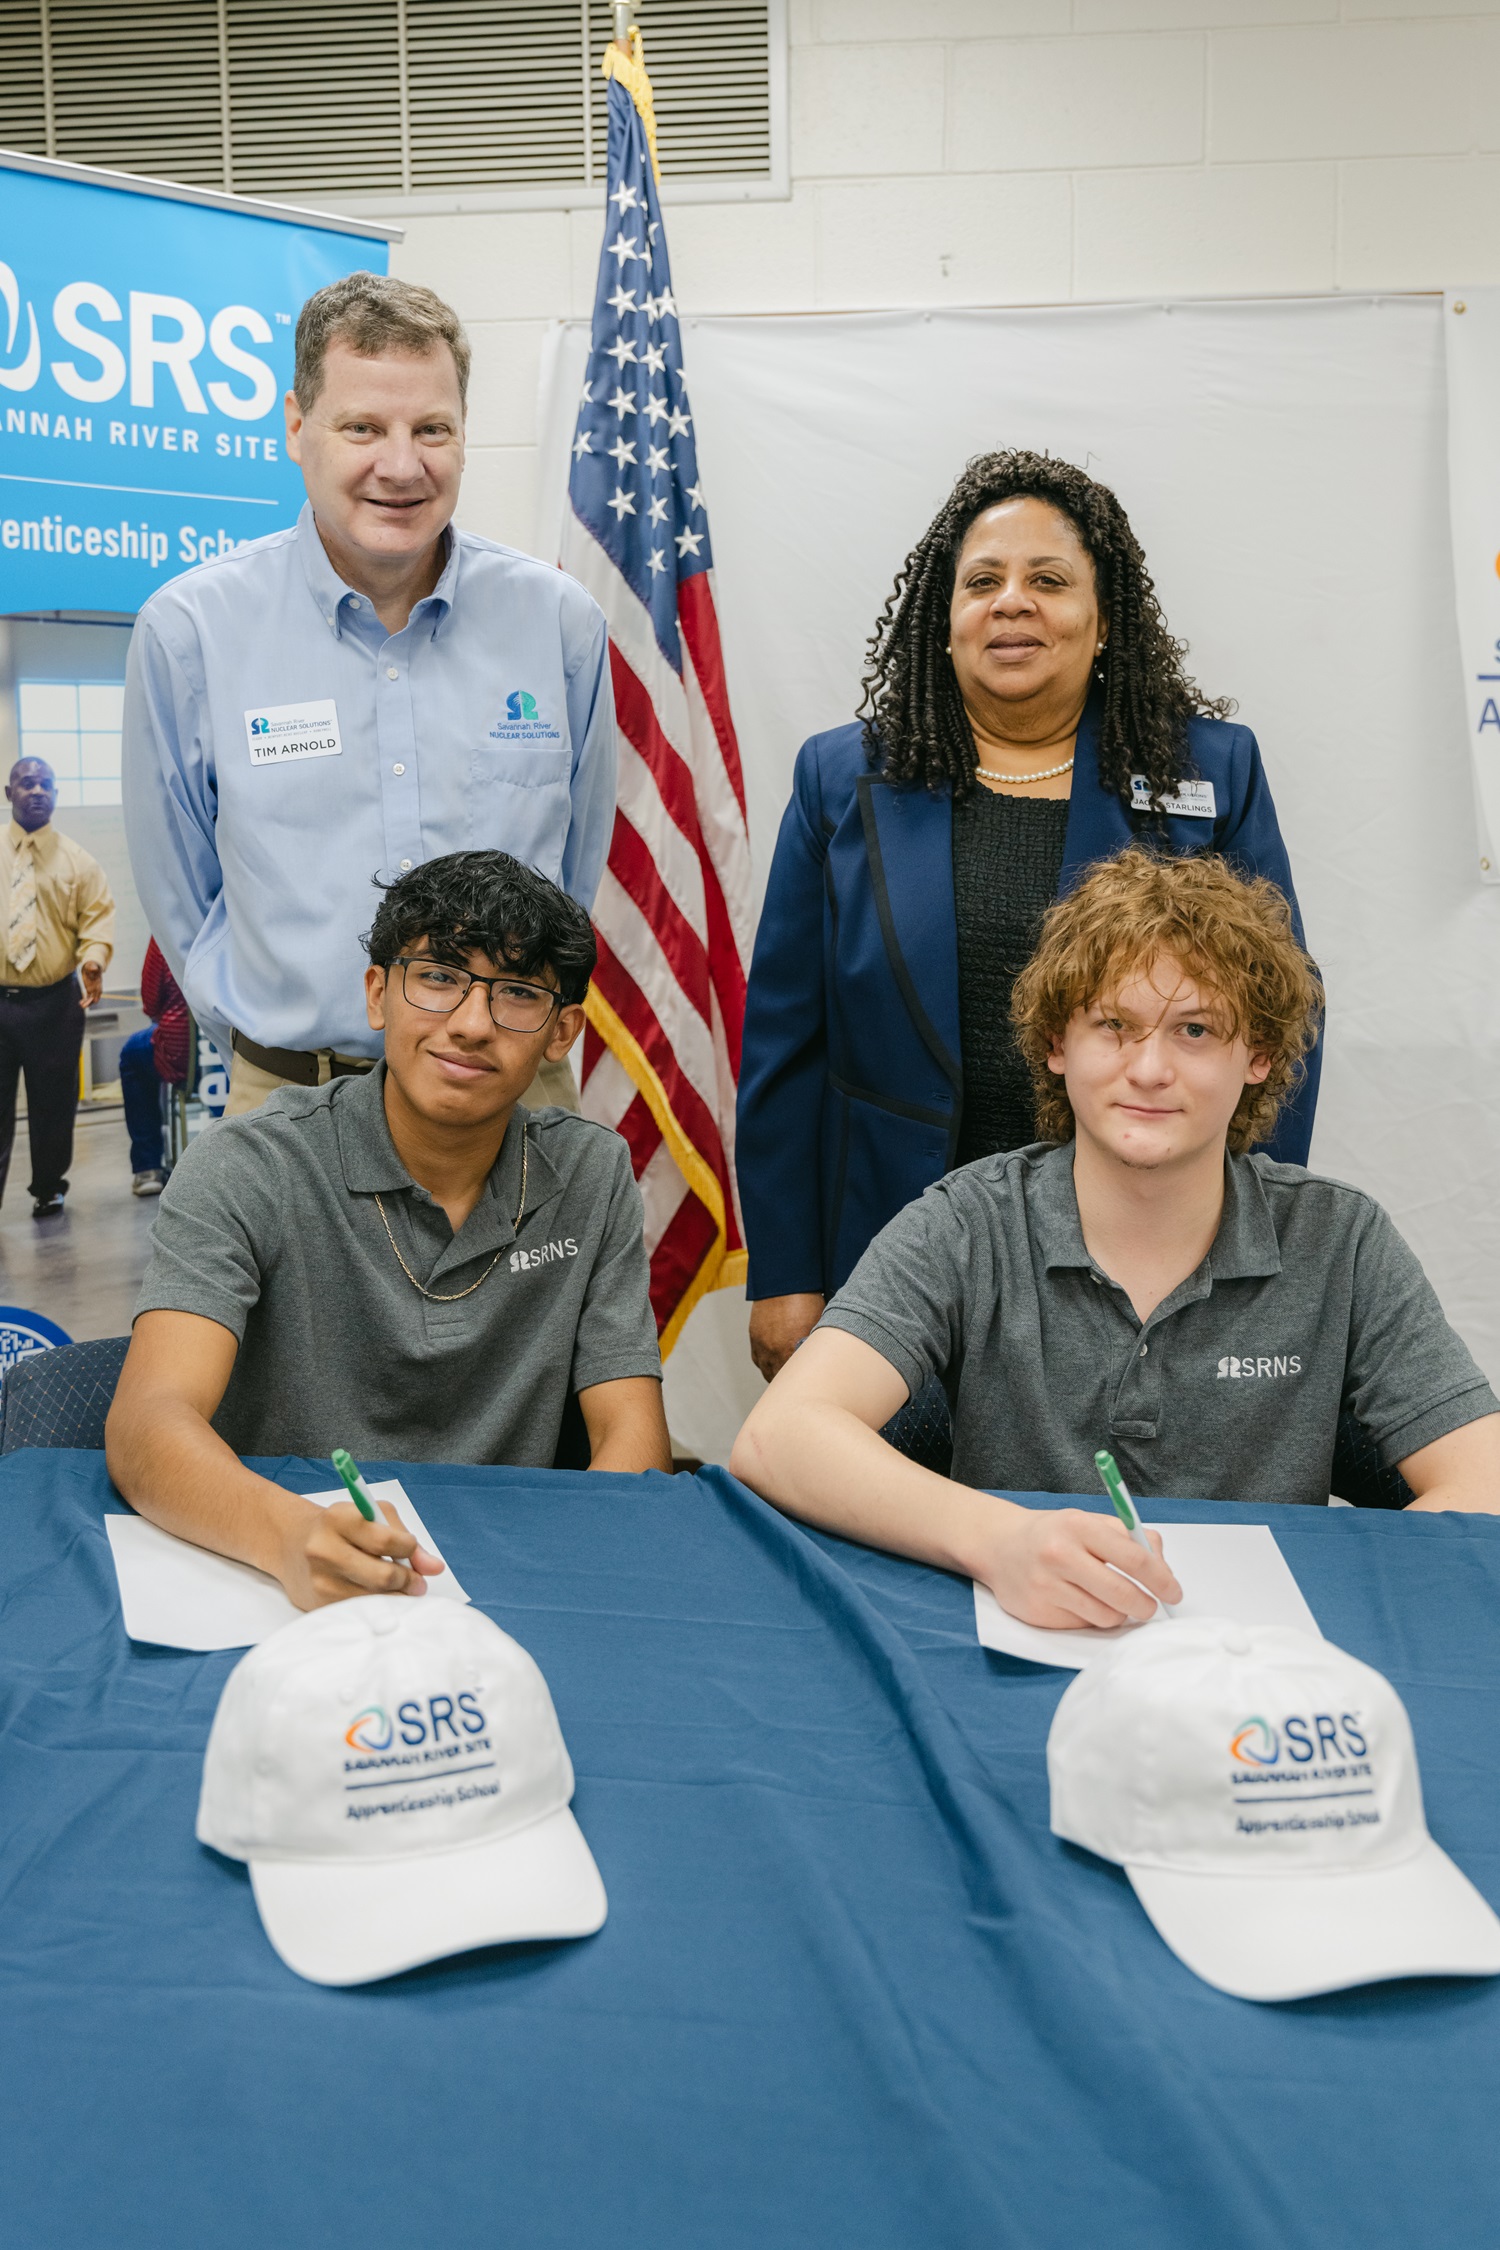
(991, 774)
(451, 1296)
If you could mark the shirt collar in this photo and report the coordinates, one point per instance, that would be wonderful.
(1054, 1210)
(18, 835)
(1246, 1243)
(1244, 1246)
(333, 596)
(366, 1150)
(371, 1166)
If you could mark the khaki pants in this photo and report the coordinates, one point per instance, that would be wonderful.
(554, 1086)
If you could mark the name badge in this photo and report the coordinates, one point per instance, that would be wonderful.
(1190, 800)
(279, 732)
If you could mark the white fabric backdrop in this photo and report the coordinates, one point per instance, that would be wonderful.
(1471, 333)
(1283, 463)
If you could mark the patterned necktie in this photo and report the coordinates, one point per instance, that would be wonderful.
(20, 928)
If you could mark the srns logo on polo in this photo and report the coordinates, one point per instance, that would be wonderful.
(1243, 1370)
(545, 1254)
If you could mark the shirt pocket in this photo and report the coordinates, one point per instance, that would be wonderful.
(519, 801)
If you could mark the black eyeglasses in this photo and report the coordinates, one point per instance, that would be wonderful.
(515, 1005)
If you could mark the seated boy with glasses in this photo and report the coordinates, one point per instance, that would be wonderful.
(1142, 1283)
(409, 1264)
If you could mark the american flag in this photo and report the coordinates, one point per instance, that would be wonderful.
(661, 1053)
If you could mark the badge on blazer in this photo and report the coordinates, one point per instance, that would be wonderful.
(1190, 800)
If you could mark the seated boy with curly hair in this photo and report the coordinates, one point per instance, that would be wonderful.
(1138, 1279)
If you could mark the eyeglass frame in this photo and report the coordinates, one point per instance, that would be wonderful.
(405, 961)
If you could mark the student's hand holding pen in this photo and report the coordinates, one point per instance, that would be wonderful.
(331, 1554)
(1066, 1567)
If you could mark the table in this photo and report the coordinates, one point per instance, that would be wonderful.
(851, 1990)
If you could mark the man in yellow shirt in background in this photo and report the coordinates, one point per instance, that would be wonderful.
(57, 931)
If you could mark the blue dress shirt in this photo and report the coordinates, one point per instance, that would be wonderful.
(487, 721)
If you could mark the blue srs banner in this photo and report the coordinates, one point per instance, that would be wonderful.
(145, 345)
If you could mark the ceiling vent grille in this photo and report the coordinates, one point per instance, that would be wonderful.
(372, 98)
(23, 80)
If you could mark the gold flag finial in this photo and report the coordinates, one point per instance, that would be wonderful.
(630, 69)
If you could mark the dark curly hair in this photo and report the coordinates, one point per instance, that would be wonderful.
(489, 902)
(916, 728)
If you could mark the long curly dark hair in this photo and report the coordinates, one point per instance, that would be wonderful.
(916, 728)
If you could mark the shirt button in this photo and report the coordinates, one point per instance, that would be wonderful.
(391, 672)
(398, 769)
(405, 866)
(354, 601)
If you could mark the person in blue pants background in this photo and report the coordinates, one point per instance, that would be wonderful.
(151, 1058)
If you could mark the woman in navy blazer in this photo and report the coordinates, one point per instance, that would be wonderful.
(1022, 649)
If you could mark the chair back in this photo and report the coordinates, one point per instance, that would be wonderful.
(1359, 1475)
(923, 1430)
(60, 1398)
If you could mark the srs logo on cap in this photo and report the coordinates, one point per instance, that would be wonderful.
(1264, 1750)
(1320, 1735)
(372, 1730)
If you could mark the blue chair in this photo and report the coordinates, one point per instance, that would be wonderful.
(923, 1430)
(61, 1397)
(1359, 1476)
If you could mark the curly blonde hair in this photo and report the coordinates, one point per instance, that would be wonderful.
(1232, 936)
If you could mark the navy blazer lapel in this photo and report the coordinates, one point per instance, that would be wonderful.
(1098, 824)
(908, 834)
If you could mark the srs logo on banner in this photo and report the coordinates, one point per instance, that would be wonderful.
(145, 344)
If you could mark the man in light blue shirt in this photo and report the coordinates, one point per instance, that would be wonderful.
(323, 709)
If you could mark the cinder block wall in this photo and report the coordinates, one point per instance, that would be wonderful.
(1037, 151)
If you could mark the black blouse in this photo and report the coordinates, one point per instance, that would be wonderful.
(1007, 857)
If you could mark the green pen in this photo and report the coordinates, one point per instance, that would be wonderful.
(358, 1490)
(1124, 1507)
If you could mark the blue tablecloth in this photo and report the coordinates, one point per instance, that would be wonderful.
(851, 1990)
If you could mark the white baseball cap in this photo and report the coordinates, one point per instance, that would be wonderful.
(1260, 1789)
(395, 1775)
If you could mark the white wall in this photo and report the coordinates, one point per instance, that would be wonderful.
(1037, 151)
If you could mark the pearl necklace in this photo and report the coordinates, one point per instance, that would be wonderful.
(992, 774)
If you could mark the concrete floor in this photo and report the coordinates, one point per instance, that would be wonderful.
(83, 1269)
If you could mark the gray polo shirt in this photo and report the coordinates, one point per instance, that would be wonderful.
(269, 1226)
(1309, 1302)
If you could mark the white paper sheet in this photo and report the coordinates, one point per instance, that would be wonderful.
(1224, 1569)
(181, 1596)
